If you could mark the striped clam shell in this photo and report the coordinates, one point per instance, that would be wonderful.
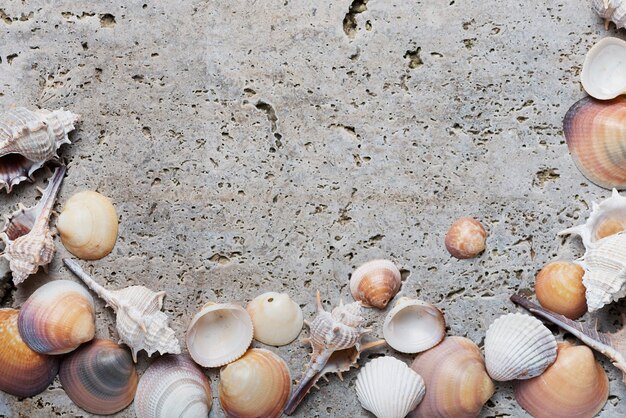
(375, 283)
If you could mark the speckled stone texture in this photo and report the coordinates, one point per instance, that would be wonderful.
(254, 146)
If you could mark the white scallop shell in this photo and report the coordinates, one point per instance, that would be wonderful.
(413, 326)
(389, 388)
(604, 70)
(611, 11)
(518, 346)
(277, 319)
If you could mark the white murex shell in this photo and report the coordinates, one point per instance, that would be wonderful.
(389, 388)
(604, 71)
(611, 11)
(276, 318)
(518, 346)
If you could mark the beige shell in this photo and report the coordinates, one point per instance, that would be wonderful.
(218, 334)
(604, 71)
(559, 287)
(375, 283)
(611, 11)
(466, 238)
(277, 319)
(413, 326)
(88, 225)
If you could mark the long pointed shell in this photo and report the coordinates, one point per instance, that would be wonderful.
(256, 385)
(57, 318)
(389, 388)
(413, 326)
(99, 377)
(611, 11)
(173, 386)
(277, 319)
(375, 283)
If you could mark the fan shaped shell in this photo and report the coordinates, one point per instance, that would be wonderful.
(277, 320)
(413, 326)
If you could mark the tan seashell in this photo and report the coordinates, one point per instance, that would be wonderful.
(255, 386)
(604, 70)
(611, 11)
(466, 238)
(88, 225)
(559, 287)
(457, 384)
(276, 318)
(218, 334)
(375, 283)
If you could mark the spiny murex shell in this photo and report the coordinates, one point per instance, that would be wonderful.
(604, 70)
(611, 11)
(276, 318)
(518, 346)
(30, 138)
(375, 283)
(388, 388)
(140, 323)
(27, 235)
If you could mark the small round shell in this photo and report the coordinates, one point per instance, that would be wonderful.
(375, 283)
(277, 319)
(466, 238)
(604, 71)
(559, 288)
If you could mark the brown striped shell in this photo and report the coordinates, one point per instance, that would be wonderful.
(466, 238)
(375, 283)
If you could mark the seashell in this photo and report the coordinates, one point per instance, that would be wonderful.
(335, 338)
(140, 323)
(375, 283)
(256, 385)
(518, 346)
(559, 287)
(99, 377)
(57, 318)
(457, 384)
(88, 225)
(388, 388)
(276, 318)
(413, 326)
(218, 334)
(466, 238)
(28, 139)
(574, 386)
(604, 70)
(173, 386)
(595, 133)
(28, 239)
(611, 11)
(23, 372)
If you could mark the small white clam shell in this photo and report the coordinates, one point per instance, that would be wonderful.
(518, 346)
(389, 388)
(277, 319)
(604, 71)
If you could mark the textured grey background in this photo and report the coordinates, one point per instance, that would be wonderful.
(251, 146)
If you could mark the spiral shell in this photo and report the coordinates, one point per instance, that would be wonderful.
(88, 225)
(604, 70)
(559, 287)
(99, 377)
(466, 238)
(611, 11)
(277, 319)
(375, 283)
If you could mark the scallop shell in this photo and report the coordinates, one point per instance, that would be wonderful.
(375, 283)
(466, 238)
(518, 346)
(559, 287)
(413, 326)
(99, 377)
(576, 385)
(173, 386)
(604, 70)
(388, 388)
(28, 139)
(140, 323)
(219, 334)
(88, 225)
(57, 318)
(276, 318)
(611, 11)
(23, 372)
(255, 386)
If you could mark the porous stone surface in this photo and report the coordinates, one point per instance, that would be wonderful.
(254, 146)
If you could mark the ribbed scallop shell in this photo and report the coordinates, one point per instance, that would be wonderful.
(611, 11)
(388, 388)
(57, 318)
(173, 386)
(255, 386)
(375, 283)
(277, 319)
(23, 372)
(99, 377)
(466, 238)
(604, 70)
(518, 346)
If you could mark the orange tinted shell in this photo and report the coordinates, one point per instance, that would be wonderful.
(559, 288)
(466, 238)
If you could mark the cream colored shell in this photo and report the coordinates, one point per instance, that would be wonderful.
(604, 71)
(277, 319)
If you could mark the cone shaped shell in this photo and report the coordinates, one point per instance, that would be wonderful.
(466, 238)
(277, 319)
(88, 225)
(413, 326)
(604, 70)
(256, 385)
(173, 386)
(457, 384)
(559, 288)
(388, 388)
(375, 283)
(99, 377)
(57, 318)
(23, 372)
(576, 385)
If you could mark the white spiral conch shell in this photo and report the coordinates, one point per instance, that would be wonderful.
(277, 319)
(611, 11)
(604, 70)
(388, 388)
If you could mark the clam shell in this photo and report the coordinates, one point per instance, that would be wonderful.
(413, 326)
(388, 388)
(466, 238)
(99, 377)
(88, 225)
(604, 70)
(256, 385)
(611, 11)
(375, 283)
(218, 334)
(559, 287)
(23, 372)
(173, 386)
(518, 346)
(277, 320)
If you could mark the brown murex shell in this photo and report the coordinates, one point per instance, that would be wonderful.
(466, 238)
(375, 283)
